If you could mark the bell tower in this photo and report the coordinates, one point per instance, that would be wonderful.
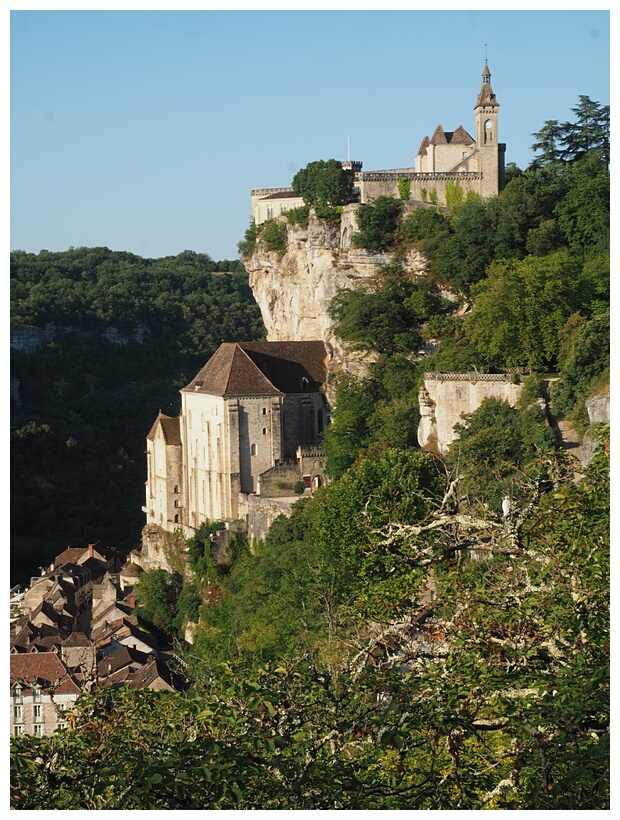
(491, 152)
(486, 109)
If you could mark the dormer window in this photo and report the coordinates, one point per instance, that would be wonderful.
(36, 694)
(17, 693)
(304, 384)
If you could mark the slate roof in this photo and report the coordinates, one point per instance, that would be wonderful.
(170, 428)
(44, 669)
(123, 657)
(486, 95)
(262, 369)
(282, 195)
(441, 137)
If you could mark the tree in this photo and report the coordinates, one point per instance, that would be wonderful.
(156, 593)
(590, 133)
(520, 308)
(494, 445)
(549, 142)
(324, 183)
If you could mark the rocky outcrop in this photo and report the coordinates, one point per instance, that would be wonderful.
(598, 408)
(294, 290)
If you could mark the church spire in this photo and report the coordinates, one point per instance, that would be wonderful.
(486, 97)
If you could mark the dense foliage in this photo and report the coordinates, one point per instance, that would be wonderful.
(324, 183)
(496, 698)
(129, 333)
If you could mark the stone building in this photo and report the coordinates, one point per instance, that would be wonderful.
(447, 158)
(42, 691)
(249, 415)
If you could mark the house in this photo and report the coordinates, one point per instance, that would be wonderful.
(254, 408)
(42, 691)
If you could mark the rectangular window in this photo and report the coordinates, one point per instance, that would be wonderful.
(17, 694)
(17, 730)
(36, 695)
(37, 711)
(17, 712)
(61, 726)
(38, 730)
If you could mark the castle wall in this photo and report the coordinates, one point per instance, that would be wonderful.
(445, 397)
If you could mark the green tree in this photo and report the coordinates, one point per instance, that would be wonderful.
(157, 592)
(404, 188)
(324, 183)
(521, 307)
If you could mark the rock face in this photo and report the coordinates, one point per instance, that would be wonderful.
(599, 413)
(294, 291)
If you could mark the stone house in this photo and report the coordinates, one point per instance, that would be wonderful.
(42, 691)
(246, 413)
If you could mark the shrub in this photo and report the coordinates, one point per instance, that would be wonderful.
(274, 235)
(247, 245)
(299, 216)
(404, 188)
(378, 224)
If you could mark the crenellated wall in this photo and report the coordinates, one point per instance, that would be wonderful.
(445, 397)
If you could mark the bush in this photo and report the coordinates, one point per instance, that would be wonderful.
(378, 224)
(299, 486)
(247, 245)
(299, 216)
(274, 235)
(404, 188)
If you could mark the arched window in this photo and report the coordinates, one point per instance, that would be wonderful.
(264, 411)
(253, 449)
(264, 431)
(304, 384)
(176, 502)
(176, 518)
(175, 489)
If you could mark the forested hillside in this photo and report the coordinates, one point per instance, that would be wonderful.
(423, 633)
(87, 398)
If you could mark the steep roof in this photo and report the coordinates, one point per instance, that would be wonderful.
(441, 137)
(486, 95)
(169, 427)
(44, 669)
(262, 369)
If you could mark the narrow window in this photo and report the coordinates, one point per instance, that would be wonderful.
(176, 489)
(36, 695)
(38, 730)
(253, 450)
(264, 411)
(264, 431)
(17, 730)
(36, 711)
(176, 502)
(17, 712)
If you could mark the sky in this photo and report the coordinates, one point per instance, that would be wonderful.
(145, 130)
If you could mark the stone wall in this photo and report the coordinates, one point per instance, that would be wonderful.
(262, 512)
(445, 397)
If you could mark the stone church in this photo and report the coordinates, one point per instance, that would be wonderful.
(475, 163)
(249, 426)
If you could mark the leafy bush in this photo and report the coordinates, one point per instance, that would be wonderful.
(404, 188)
(247, 245)
(273, 234)
(323, 183)
(299, 216)
(378, 224)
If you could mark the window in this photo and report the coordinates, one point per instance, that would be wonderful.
(17, 712)
(264, 411)
(17, 694)
(264, 431)
(176, 502)
(176, 518)
(17, 730)
(176, 489)
(36, 695)
(253, 450)
(36, 711)
(38, 730)
(62, 726)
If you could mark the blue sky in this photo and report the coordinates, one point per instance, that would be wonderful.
(145, 130)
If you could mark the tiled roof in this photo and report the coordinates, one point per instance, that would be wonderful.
(170, 428)
(262, 369)
(441, 137)
(281, 195)
(44, 669)
(156, 671)
(120, 658)
(423, 146)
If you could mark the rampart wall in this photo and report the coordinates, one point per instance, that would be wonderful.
(445, 397)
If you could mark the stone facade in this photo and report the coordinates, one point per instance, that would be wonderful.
(445, 397)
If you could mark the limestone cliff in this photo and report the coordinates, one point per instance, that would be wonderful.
(294, 290)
